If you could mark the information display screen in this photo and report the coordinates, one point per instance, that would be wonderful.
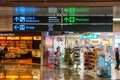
(36, 19)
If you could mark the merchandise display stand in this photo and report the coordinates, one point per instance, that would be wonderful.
(76, 56)
(50, 59)
(90, 60)
(104, 66)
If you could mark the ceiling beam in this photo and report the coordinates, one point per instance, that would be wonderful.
(60, 4)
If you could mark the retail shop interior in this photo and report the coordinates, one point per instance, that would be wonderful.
(86, 51)
(22, 47)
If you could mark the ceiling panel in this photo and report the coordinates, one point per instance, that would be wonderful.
(58, 0)
(6, 13)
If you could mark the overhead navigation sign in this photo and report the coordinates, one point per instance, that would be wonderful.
(87, 19)
(24, 27)
(36, 19)
(80, 28)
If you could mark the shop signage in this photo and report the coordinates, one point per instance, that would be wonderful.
(7, 34)
(87, 19)
(24, 27)
(36, 19)
(91, 36)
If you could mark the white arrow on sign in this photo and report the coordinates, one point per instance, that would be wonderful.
(16, 27)
(16, 19)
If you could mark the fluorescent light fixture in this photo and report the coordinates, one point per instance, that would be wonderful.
(110, 34)
(116, 19)
(97, 33)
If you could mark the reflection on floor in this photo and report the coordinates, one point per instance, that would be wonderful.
(24, 61)
(19, 72)
(10, 71)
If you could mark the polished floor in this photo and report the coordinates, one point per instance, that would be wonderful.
(12, 71)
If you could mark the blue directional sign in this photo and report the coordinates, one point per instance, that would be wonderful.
(24, 27)
(16, 27)
(25, 10)
(37, 19)
(16, 19)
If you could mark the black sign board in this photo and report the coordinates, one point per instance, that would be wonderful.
(79, 28)
(88, 28)
(36, 19)
(24, 27)
(88, 19)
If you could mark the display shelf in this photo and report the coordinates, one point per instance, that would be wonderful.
(76, 56)
(90, 60)
(36, 58)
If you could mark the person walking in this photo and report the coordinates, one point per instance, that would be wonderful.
(5, 51)
(117, 58)
(57, 57)
(1, 52)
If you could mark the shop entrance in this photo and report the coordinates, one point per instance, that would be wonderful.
(82, 51)
(23, 47)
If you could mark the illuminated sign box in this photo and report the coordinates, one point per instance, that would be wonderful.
(36, 19)
(91, 36)
(2, 38)
(82, 28)
(73, 10)
(37, 38)
(24, 27)
(88, 19)
(25, 10)
(13, 38)
(26, 38)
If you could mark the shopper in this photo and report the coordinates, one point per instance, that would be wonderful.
(57, 57)
(117, 58)
(1, 52)
(5, 51)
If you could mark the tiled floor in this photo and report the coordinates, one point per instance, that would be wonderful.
(11, 71)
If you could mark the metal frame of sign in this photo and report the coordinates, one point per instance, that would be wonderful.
(80, 28)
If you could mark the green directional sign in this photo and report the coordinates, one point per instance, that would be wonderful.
(72, 10)
(88, 19)
(73, 19)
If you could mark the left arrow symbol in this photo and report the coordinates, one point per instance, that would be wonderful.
(16, 27)
(16, 19)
